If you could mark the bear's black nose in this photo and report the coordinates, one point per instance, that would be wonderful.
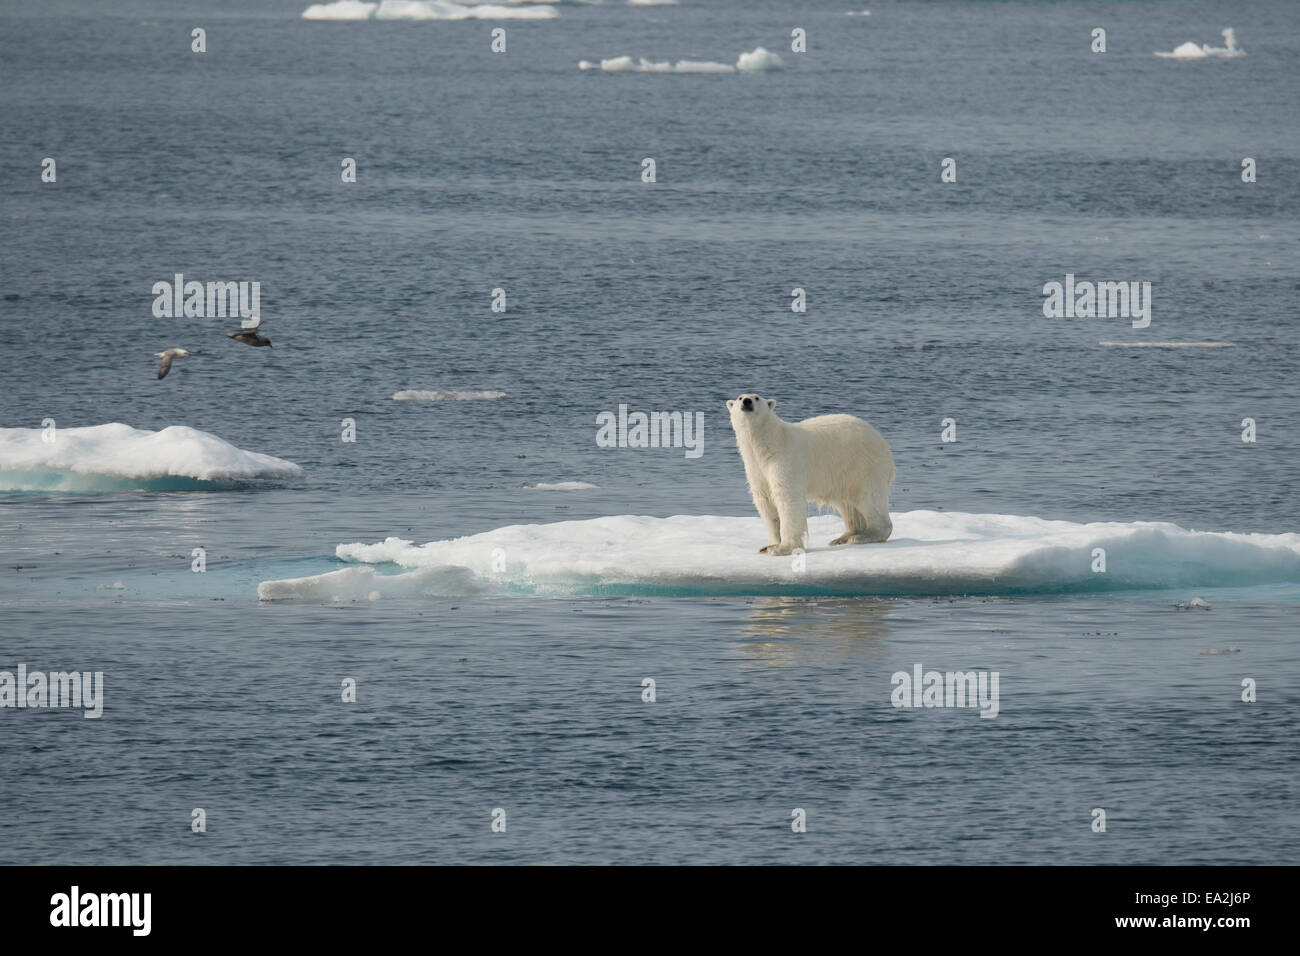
(746, 403)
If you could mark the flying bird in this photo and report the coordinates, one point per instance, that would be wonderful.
(167, 357)
(249, 335)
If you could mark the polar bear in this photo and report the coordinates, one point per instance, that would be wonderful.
(835, 460)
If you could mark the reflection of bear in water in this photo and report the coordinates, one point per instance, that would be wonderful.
(835, 460)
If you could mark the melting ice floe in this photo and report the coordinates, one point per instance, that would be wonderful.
(1191, 51)
(563, 486)
(1167, 345)
(756, 61)
(419, 395)
(117, 457)
(425, 10)
(931, 553)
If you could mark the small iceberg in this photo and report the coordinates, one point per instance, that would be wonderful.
(117, 457)
(759, 61)
(1191, 51)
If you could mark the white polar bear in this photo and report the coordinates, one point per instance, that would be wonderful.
(835, 460)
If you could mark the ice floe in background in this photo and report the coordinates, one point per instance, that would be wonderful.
(426, 10)
(421, 395)
(340, 10)
(930, 553)
(117, 457)
(1167, 345)
(563, 486)
(759, 61)
(1191, 51)
(756, 61)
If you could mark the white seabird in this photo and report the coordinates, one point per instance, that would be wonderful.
(167, 357)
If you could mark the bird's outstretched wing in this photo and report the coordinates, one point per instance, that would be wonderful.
(165, 367)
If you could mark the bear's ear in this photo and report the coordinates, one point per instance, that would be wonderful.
(771, 403)
(730, 402)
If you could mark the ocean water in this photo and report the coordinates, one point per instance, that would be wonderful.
(479, 170)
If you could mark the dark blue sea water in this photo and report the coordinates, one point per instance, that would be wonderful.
(478, 170)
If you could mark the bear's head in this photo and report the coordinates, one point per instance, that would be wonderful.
(750, 410)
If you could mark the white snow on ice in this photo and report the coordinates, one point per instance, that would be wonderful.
(114, 457)
(930, 553)
(563, 486)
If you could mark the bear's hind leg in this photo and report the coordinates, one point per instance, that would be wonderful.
(859, 529)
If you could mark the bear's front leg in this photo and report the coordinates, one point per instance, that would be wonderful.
(793, 515)
(767, 510)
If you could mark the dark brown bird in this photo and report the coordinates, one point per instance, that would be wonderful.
(249, 337)
(249, 334)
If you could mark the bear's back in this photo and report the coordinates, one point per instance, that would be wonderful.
(838, 424)
(845, 437)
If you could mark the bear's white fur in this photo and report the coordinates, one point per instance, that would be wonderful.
(837, 461)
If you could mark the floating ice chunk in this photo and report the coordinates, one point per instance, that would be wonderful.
(759, 60)
(340, 10)
(444, 10)
(1191, 51)
(426, 10)
(618, 64)
(117, 457)
(418, 395)
(1167, 345)
(563, 486)
(1184, 51)
(1229, 48)
(931, 553)
(702, 66)
(625, 64)
(363, 584)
